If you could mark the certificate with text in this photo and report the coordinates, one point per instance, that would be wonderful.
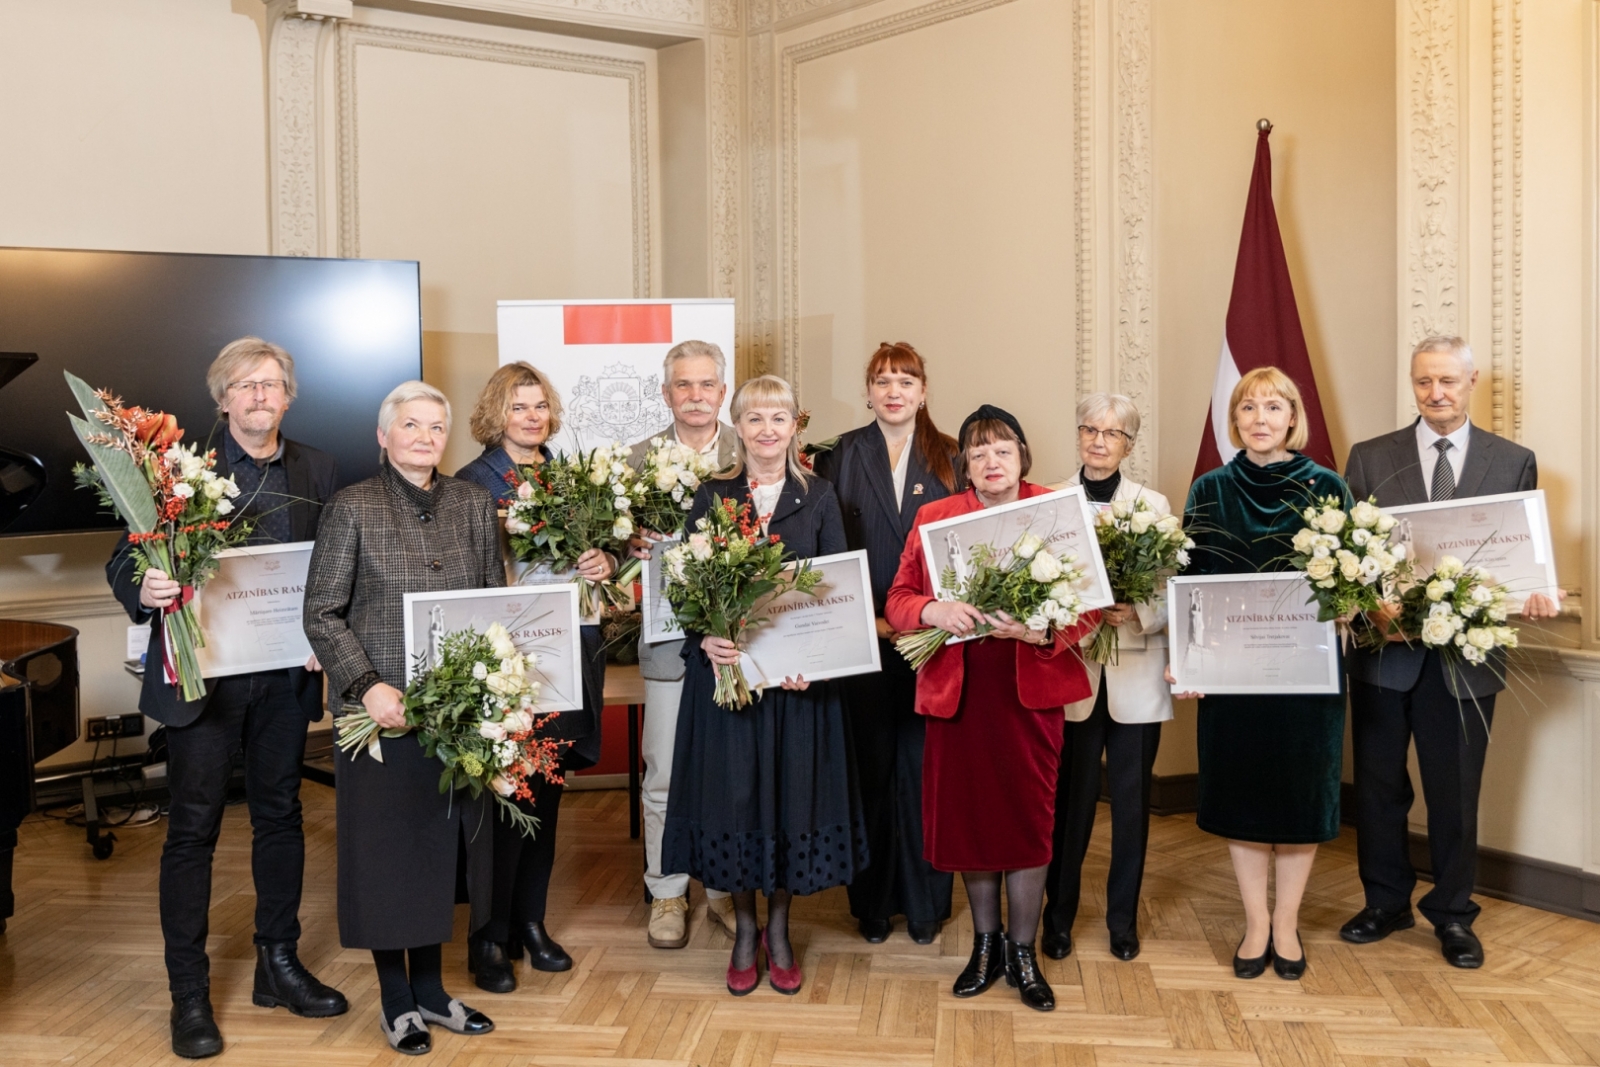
(830, 632)
(1249, 633)
(1063, 520)
(251, 610)
(542, 620)
(657, 620)
(1507, 535)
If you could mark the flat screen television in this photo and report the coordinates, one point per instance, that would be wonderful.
(146, 325)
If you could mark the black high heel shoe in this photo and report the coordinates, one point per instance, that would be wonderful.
(986, 964)
(543, 953)
(1022, 972)
(1252, 968)
(1290, 970)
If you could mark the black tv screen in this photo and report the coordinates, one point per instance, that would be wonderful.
(146, 325)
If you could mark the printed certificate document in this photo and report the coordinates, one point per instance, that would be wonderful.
(830, 633)
(251, 611)
(1249, 633)
(1507, 535)
(542, 619)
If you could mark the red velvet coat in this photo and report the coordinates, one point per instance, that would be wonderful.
(1048, 676)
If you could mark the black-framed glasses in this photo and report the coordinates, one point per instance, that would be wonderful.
(1089, 433)
(270, 386)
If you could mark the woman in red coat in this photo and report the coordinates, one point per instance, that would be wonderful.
(995, 724)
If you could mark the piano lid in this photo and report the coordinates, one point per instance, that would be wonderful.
(22, 475)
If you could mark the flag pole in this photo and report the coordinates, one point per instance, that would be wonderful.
(1264, 125)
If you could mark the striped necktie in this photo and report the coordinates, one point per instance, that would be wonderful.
(1444, 476)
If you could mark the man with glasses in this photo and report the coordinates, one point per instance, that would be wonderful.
(283, 486)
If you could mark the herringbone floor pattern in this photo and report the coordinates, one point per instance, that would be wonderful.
(81, 977)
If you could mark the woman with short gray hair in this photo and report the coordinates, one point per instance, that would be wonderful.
(407, 529)
(1122, 717)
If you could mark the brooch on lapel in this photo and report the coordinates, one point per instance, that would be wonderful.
(916, 490)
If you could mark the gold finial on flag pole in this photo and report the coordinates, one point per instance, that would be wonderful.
(1264, 125)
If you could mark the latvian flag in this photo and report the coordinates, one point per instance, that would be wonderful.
(1263, 328)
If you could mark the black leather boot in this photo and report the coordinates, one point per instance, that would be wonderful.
(543, 953)
(194, 1031)
(1022, 972)
(487, 961)
(282, 981)
(986, 964)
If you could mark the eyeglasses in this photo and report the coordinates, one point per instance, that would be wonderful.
(270, 386)
(1089, 433)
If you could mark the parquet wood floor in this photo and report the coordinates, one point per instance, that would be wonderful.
(81, 977)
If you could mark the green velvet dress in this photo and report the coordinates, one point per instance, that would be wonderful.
(1269, 765)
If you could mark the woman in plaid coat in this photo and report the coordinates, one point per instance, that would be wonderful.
(408, 529)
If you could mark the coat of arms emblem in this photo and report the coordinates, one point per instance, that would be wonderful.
(618, 404)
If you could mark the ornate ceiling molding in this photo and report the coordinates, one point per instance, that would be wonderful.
(624, 13)
(1505, 282)
(353, 38)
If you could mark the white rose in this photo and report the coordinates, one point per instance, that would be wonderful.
(503, 685)
(1439, 588)
(1038, 623)
(700, 546)
(622, 529)
(1332, 520)
(479, 671)
(1121, 509)
(183, 489)
(499, 639)
(502, 785)
(1496, 613)
(494, 731)
(1063, 593)
(224, 506)
(1360, 537)
(1437, 631)
(1449, 567)
(1169, 524)
(1026, 546)
(1371, 570)
(524, 490)
(1482, 594)
(214, 488)
(1305, 540)
(1364, 515)
(1480, 637)
(1505, 637)
(517, 722)
(666, 478)
(598, 476)
(1319, 568)
(1386, 523)
(675, 561)
(689, 478)
(1349, 564)
(1044, 568)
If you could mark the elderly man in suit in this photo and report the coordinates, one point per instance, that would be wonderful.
(693, 383)
(283, 486)
(1402, 693)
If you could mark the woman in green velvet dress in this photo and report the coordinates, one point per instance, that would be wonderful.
(1269, 764)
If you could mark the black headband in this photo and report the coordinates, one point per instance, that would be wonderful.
(986, 413)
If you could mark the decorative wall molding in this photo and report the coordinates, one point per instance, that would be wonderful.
(724, 57)
(690, 12)
(1133, 367)
(1432, 184)
(760, 321)
(1083, 189)
(1505, 284)
(758, 14)
(724, 15)
(353, 37)
(294, 132)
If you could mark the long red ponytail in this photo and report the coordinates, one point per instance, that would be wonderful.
(934, 446)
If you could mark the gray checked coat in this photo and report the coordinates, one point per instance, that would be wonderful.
(398, 835)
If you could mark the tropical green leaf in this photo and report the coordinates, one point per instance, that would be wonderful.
(124, 483)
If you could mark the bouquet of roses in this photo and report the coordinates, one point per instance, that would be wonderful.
(174, 504)
(561, 509)
(719, 573)
(1028, 582)
(662, 492)
(473, 710)
(1348, 560)
(1458, 610)
(1141, 550)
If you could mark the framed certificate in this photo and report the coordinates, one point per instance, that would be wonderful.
(251, 610)
(655, 611)
(542, 619)
(1249, 633)
(1507, 535)
(1063, 519)
(828, 633)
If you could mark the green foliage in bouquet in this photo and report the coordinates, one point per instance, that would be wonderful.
(561, 509)
(1141, 550)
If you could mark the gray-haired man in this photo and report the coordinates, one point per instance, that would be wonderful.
(693, 383)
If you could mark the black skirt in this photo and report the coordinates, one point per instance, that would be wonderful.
(1269, 767)
(400, 841)
(764, 797)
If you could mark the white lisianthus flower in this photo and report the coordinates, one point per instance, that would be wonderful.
(494, 731)
(1141, 521)
(1027, 545)
(1505, 637)
(1319, 568)
(666, 478)
(1496, 613)
(213, 488)
(503, 685)
(622, 529)
(1063, 593)
(700, 546)
(597, 476)
(674, 561)
(499, 639)
(1449, 567)
(1169, 524)
(1360, 537)
(1469, 610)
(1371, 570)
(183, 489)
(516, 525)
(689, 478)
(1038, 623)
(1436, 630)
(620, 502)
(1044, 568)
(1481, 594)
(1386, 523)
(480, 671)
(1364, 515)
(1332, 520)
(1183, 557)
(1311, 515)
(1440, 588)
(1121, 509)
(224, 507)
(1439, 611)
(1471, 654)
(1398, 552)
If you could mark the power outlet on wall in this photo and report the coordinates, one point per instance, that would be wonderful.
(104, 729)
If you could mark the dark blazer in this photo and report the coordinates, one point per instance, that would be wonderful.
(312, 475)
(858, 467)
(1387, 467)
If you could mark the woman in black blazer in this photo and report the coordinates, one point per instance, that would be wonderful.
(883, 472)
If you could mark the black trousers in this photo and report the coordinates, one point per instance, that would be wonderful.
(258, 713)
(1452, 739)
(888, 735)
(1130, 757)
(522, 866)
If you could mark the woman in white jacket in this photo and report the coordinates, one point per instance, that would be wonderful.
(1122, 720)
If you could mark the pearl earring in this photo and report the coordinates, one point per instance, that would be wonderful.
(869, 405)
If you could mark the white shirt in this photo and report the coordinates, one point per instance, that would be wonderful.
(900, 468)
(711, 445)
(1427, 455)
(764, 500)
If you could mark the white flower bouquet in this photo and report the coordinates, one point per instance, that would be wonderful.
(1460, 611)
(1027, 582)
(1142, 549)
(1347, 558)
(474, 711)
(662, 492)
(561, 509)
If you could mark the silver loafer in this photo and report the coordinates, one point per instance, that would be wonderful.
(461, 1020)
(409, 1036)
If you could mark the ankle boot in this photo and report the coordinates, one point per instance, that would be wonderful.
(986, 964)
(487, 962)
(282, 981)
(543, 953)
(1022, 972)
(194, 1031)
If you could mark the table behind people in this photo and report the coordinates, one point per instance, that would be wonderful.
(694, 378)
(883, 473)
(1402, 693)
(283, 487)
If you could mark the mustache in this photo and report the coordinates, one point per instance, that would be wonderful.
(696, 407)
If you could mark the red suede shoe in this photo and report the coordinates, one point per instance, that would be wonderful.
(743, 983)
(786, 980)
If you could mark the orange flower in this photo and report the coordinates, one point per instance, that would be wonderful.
(156, 428)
